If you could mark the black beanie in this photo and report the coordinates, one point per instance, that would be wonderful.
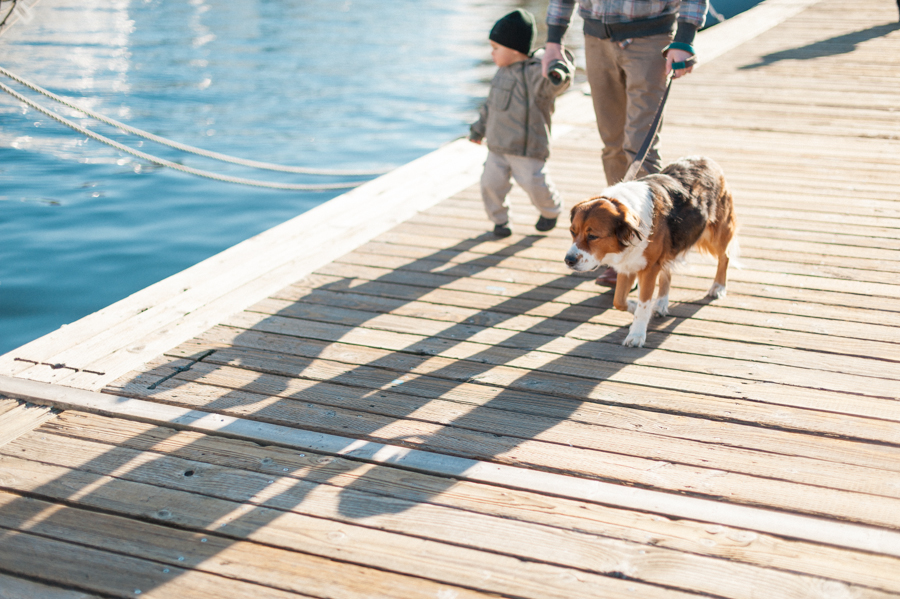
(516, 30)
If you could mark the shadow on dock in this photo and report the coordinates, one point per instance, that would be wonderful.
(488, 404)
(842, 44)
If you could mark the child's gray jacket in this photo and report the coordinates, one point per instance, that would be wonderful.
(515, 119)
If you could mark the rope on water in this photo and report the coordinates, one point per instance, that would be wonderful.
(191, 149)
(186, 148)
(169, 163)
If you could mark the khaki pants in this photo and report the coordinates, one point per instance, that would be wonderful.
(627, 85)
(529, 173)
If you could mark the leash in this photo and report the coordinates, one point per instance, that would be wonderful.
(638, 161)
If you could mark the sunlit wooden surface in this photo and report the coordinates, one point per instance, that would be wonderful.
(751, 449)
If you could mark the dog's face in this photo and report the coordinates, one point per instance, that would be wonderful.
(601, 228)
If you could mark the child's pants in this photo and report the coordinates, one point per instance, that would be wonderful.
(529, 173)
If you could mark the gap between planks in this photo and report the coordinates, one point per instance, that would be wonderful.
(514, 534)
(807, 528)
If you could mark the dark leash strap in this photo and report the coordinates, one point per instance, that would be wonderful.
(654, 126)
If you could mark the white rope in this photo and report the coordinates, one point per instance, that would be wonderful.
(716, 14)
(168, 163)
(186, 148)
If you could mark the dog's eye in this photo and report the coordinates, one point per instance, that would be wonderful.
(593, 237)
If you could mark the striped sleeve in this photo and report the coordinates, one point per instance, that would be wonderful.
(693, 12)
(559, 12)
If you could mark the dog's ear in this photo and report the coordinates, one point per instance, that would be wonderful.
(627, 225)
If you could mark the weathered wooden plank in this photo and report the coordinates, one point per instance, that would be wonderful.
(810, 263)
(792, 525)
(475, 435)
(477, 226)
(861, 181)
(594, 341)
(388, 517)
(747, 195)
(551, 334)
(859, 178)
(790, 124)
(278, 501)
(540, 259)
(855, 118)
(802, 149)
(485, 339)
(523, 297)
(592, 407)
(685, 535)
(112, 574)
(535, 259)
(8, 404)
(653, 369)
(743, 28)
(197, 550)
(690, 277)
(468, 217)
(565, 422)
(817, 92)
(515, 269)
(886, 240)
(22, 419)
(20, 588)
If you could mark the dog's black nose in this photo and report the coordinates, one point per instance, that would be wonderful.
(571, 260)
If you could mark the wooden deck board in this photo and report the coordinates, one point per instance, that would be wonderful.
(332, 504)
(419, 409)
(478, 498)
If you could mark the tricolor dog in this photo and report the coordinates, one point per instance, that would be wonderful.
(642, 227)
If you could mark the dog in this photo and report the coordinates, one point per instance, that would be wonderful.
(642, 228)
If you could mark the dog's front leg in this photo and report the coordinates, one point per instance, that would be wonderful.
(623, 287)
(643, 308)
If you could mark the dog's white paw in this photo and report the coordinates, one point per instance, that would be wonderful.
(662, 306)
(635, 340)
(716, 291)
(632, 305)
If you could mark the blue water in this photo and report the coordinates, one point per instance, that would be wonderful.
(338, 84)
(341, 84)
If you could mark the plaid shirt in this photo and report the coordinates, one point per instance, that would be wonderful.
(623, 11)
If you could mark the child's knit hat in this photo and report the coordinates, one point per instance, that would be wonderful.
(516, 30)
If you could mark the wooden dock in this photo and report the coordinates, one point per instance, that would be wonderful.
(379, 399)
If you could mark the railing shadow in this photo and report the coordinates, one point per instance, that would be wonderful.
(842, 44)
(521, 403)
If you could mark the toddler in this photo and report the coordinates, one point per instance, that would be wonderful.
(515, 119)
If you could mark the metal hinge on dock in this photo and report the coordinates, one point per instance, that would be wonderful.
(58, 366)
(181, 369)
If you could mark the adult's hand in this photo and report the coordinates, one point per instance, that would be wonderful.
(675, 55)
(551, 52)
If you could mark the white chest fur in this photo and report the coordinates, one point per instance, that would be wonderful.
(637, 198)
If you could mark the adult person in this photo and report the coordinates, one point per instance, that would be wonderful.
(630, 47)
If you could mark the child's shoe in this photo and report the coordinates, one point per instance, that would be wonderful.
(502, 230)
(545, 224)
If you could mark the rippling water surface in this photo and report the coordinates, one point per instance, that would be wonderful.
(344, 84)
